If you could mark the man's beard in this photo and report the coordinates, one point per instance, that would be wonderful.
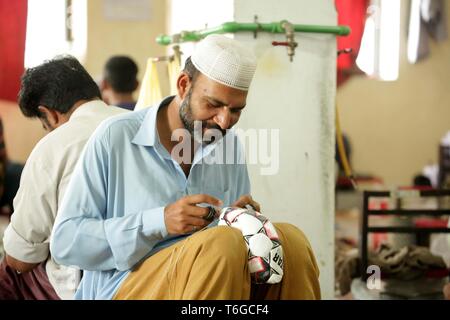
(190, 124)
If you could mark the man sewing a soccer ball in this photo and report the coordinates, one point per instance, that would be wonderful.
(135, 217)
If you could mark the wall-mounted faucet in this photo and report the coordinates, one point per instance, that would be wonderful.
(289, 28)
(290, 43)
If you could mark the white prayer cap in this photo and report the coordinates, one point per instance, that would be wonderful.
(225, 60)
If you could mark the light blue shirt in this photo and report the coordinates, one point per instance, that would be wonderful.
(112, 215)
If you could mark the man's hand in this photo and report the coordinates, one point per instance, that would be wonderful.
(184, 216)
(18, 265)
(247, 199)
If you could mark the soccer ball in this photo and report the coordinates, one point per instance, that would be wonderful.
(265, 253)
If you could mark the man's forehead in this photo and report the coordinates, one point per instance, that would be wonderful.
(220, 93)
(208, 84)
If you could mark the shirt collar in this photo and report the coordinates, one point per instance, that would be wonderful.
(88, 109)
(147, 134)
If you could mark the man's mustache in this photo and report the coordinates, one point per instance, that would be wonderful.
(206, 125)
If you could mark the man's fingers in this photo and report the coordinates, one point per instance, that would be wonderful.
(196, 221)
(242, 201)
(202, 198)
(247, 199)
(255, 205)
(196, 211)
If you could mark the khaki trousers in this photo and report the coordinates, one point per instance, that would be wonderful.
(212, 264)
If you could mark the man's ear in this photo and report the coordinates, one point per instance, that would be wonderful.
(105, 90)
(103, 85)
(52, 117)
(136, 85)
(183, 84)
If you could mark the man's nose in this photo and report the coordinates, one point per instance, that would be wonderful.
(223, 118)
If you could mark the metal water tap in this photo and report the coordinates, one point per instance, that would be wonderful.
(177, 52)
(291, 44)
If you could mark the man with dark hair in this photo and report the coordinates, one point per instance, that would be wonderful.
(136, 221)
(64, 97)
(119, 82)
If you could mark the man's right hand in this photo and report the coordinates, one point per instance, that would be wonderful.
(184, 216)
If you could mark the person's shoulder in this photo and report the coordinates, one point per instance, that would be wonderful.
(75, 132)
(124, 120)
(121, 125)
(44, 150)
(113, 111)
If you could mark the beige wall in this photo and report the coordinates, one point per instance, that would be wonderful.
(133, 38)
(395, 127)
(20, 133)
(294, 102)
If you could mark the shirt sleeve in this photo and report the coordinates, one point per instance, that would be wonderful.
(27, 236)
(83, 236)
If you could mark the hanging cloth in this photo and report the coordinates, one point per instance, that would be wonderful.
(150, 91)
(353, 14)
(427, 19)
(174, 69)
(13, 26)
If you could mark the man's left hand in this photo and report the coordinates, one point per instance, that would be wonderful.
(18, 265)
(247, 199)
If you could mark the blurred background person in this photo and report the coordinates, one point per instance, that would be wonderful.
(119, 82)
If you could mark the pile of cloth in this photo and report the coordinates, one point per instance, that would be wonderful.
(397, 265)
(408, 263)
(346, 266)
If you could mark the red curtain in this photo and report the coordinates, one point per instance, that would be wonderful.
(353, 14)
(13, 26)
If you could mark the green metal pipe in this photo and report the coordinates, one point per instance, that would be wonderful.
(233, 27)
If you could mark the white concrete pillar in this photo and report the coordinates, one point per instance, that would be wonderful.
(298, 99)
